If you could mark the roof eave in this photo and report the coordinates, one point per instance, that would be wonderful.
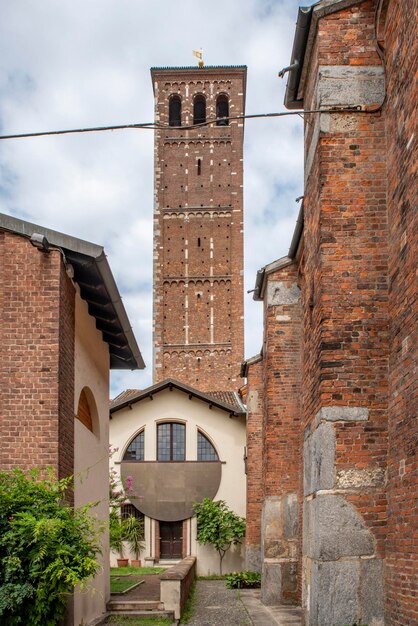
(175, 384)
(260, 280)
(87, 257)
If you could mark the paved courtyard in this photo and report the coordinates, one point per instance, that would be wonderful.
(218, 606)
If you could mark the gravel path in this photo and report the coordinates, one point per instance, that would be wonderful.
(218, 606)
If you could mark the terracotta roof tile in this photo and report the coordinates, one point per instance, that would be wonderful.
(228, 397)
(125, 395)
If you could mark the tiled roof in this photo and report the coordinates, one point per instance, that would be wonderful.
(125, 395)
(228, 397)
(223, 399)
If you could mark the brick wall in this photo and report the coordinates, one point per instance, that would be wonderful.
(198, 233)
(273, 440)
(357, 273)
(255, 491)
(66, 377)
(344, 284)
(399, 38)
(37, 335)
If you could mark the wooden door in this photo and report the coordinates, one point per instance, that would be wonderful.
(171, 540)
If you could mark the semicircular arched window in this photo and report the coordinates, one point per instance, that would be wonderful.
(199, 109)
(174, 111)
(222, 110)
(205, 450)
(135, 450)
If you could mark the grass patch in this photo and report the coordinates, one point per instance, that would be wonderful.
(122, 620)
(119, 585)
(190, 605)
(137, 571)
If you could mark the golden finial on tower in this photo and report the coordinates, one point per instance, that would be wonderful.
(199, 55)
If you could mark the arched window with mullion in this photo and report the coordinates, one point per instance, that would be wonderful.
(171, 441)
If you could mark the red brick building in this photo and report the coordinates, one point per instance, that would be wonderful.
(63, 326)
(198, 226)
(332, 421)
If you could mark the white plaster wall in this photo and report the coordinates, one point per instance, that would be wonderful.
(91, 452)
(225, 433)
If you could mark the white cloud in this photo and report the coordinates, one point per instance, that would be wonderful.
(75, 64)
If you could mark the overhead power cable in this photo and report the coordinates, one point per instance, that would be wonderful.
(210, 122)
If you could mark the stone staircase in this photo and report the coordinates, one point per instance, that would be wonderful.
(138, 608)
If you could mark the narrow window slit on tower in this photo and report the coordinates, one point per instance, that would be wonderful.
(199, 167)
(198, 242)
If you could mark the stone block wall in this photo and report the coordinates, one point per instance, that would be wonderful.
(37, 370)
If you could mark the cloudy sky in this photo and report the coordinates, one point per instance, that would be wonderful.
(71, 64)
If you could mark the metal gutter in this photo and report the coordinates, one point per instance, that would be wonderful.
(306, 28)
(268, 269)
(97, 286)
(291, 100)
(297, 234)
(246, 364)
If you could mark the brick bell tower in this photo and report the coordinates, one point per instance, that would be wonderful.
(198, 333)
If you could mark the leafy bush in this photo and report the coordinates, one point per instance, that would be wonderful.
(218, 525)
(243, 580)
(46, 548)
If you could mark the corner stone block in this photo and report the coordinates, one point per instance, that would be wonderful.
(271, 527)
(271, 589)
(319, 459)
(342, 414)
(341, 85)
(371, 592)
(333, 593)
(279, 292)
(253, 558)
(335, 530)
(291, 520)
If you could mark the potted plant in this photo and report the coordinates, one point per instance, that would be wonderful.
(134, 535)
(117, 534)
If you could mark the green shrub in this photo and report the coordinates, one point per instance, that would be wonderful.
(218, 526)
(243, 580)
(46, 548)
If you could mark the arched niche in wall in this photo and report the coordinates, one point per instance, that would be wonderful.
(87, 411)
